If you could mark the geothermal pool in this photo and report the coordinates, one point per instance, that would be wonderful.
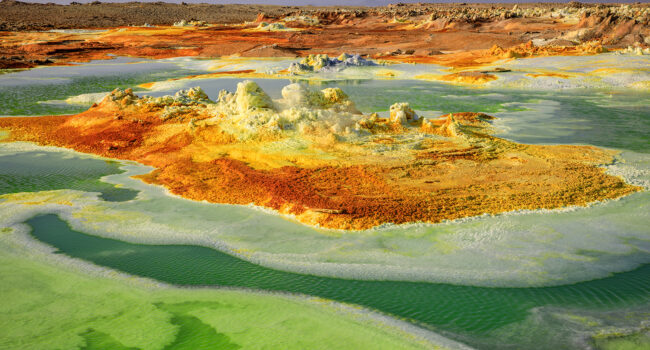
(571, 278)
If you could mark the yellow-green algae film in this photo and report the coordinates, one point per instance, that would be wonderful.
(634, 341)
(50, 302)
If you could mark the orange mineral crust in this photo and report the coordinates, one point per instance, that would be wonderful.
(459, 36)
(31, 49)
(314, 156)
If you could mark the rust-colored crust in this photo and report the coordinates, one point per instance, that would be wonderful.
(464, 172)
(426, 36)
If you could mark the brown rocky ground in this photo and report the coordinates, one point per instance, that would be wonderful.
(21, 16)
(412, 33)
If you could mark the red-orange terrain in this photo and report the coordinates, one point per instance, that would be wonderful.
(452, 35)
(364, 172)
(312, 154)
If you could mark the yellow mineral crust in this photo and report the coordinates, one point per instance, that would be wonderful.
(467, 77)
(313, 155)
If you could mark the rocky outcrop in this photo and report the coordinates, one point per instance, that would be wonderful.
(317, 63)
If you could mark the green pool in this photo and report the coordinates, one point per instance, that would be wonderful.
(604, 312)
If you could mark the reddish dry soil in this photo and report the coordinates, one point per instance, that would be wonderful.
(367, 33)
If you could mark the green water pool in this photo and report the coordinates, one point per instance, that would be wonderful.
(470, 311)
(483, 317)
(43, 171)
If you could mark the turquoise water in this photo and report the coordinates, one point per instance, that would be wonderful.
(461, 310)
(42, 91)
(44, 171)
(607, 118)
(475, 315)
(614, 119)
(574, 116)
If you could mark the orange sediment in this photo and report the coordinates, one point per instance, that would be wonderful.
(553, 75)
(469, 77)
(459, 170)
(467, 45)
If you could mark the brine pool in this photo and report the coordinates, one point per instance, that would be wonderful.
(562, 279)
